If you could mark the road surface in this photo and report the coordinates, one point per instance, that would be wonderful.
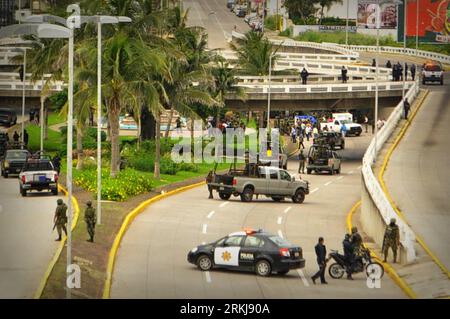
(418, 174)
(216, 18)
(151, 261)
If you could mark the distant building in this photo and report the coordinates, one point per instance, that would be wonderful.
(7, 12)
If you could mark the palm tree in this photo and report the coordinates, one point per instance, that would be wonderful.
(326, 4)
(225, 80)
(254, 54)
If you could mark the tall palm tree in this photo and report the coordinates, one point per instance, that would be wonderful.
(254, 54)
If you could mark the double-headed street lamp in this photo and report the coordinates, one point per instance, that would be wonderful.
(269, 89)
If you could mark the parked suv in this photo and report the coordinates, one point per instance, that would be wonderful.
(8, 117)
(432, 72)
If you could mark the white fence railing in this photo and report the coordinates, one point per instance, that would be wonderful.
(407, 236)
(7, 55)
(312, 45)
(325, 88)
(232, 55)
(312, 78)
(395, 50)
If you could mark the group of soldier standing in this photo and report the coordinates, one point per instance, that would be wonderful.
(398, 71)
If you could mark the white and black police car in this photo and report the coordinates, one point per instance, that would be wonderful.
(251, 250)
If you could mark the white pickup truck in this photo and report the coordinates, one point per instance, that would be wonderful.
(339, 119)
(39, 175)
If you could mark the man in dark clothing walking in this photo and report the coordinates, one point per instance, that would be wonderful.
(304, 75)
(344, 74)
(374, 63)
(406, 108)
(321, 253)
(413, 71)
(209, 179)
(16, 137)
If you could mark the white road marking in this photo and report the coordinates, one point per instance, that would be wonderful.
(211, 214)
(208, 277)
(280, 234)
(328, 183)
(287, 209)
(280, 219)
(204, 228)
(314, 190)
(224, 204)
(340, 177)
(302, 276)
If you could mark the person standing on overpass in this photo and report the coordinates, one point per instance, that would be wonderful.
(304, 76)
(406, 71)
(413, 71)
(344, 74)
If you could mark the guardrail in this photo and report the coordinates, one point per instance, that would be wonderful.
(378, 197)
(325, 88)
(6, 56)
(312, 45)
(312, 78)
(395, 50)
(232, 55)
(30, 86)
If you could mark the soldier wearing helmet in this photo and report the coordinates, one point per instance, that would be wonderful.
(60, 218)
(356, 240)
(90, 217)
(391, 239)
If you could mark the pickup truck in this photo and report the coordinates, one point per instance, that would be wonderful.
(333, 139)
(323, 158)
(257, 179)
(38, 174)
(13, 162)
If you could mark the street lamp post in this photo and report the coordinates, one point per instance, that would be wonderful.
(269, 91)
(346, 24)
(404, 46)
(417, 27)
(23, 94)
(376, 79)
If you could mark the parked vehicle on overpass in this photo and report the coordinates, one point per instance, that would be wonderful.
(432, 72)
(257, 179)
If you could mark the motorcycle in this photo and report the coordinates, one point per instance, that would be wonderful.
(359, 264)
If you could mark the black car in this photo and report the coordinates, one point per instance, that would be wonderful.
(8, 117)
(331, 138)
(14, 161)
(249, 250)
(3, 144)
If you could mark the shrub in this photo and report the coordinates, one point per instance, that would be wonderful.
(128, 183)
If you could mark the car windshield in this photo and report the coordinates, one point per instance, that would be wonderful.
(40, 166)
(433, 68)
(20, 155)
(345, 122)
(280, 242)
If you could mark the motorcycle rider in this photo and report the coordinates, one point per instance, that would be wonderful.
(356, 241)
(348, 255)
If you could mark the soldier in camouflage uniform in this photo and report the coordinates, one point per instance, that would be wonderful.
(90, 217)
(356, 241)
(391, 239)
(60, 218)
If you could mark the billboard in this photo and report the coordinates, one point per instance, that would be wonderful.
(434, 20)
(367, 15)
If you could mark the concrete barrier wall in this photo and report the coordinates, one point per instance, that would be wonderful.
(376, 210)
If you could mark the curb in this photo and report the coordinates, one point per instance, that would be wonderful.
(44, 280)
(389, 269)
(127, 221)
(386, 191)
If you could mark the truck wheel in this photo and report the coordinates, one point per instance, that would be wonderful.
(5, 175)
(23, 192)
(263, 268)
(442, 82)
(299, 196)
(224, 196)
(247, 194)
(285, 166)
(338, 170)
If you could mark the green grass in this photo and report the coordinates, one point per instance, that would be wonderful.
(363, 39)
(52, 144)
(55, 118)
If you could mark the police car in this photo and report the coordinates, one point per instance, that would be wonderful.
(253, 250)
